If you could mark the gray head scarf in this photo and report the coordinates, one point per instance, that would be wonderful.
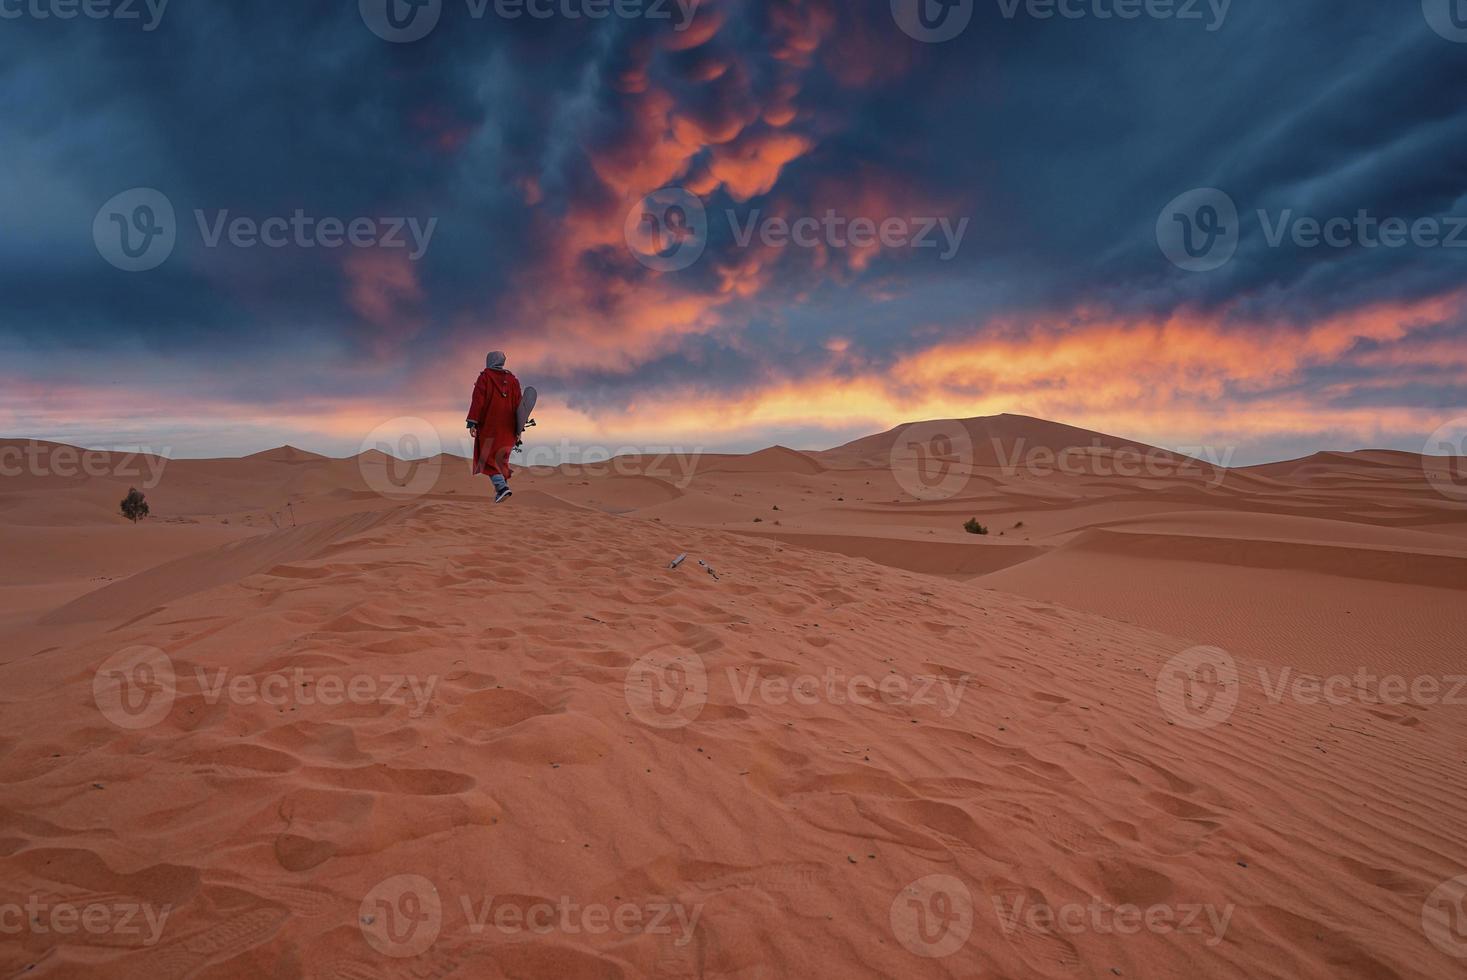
(495, 360)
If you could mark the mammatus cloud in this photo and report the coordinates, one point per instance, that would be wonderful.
(530, 142)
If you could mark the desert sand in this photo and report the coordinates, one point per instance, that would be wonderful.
(348, 719)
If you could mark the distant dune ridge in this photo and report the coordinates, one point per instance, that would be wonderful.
(348, 718)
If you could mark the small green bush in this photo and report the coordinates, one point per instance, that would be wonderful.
(973, 527)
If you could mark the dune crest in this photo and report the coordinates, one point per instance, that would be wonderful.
(348, 718)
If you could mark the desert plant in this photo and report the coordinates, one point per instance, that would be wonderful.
(134, 505)
(973, 527)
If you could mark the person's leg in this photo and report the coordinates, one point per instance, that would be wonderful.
(499, 483)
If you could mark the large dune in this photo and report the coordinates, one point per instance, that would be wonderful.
(347, 718)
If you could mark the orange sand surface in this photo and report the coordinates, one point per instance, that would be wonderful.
(349, 719)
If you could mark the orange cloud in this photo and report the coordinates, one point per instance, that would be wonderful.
(1116, 360)
(751, 165)
(383, 289)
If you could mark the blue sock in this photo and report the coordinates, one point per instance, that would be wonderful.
(499, 483)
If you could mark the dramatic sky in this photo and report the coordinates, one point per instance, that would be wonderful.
(1052, 152)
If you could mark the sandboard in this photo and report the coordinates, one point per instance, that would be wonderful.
(527, 407)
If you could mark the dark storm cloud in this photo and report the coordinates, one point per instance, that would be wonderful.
(1059, 140)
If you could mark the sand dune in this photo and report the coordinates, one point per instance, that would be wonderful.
(345, 718)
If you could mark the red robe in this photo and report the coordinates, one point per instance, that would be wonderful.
(495, 408)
